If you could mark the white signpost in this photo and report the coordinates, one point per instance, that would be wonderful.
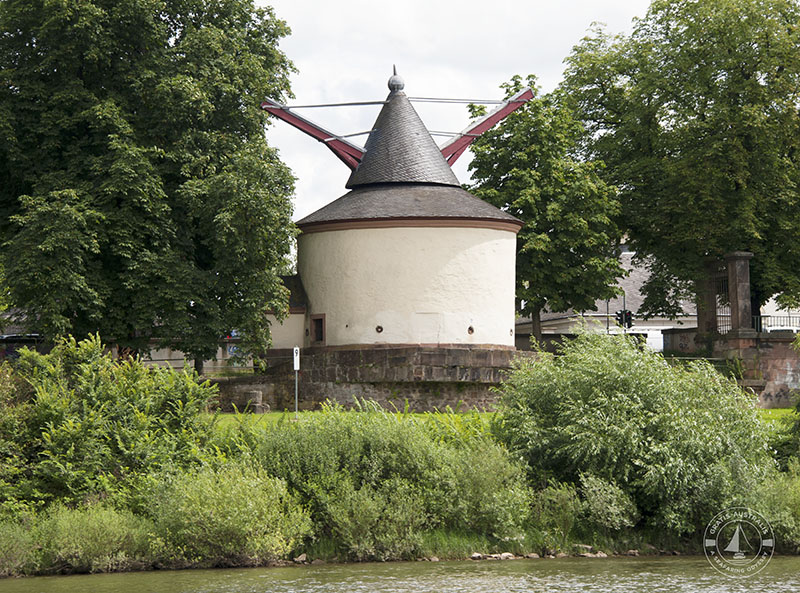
(296, 372)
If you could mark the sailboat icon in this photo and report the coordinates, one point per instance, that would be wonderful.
(750, 541)
(735, 544)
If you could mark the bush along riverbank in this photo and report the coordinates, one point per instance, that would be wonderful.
(110, 465)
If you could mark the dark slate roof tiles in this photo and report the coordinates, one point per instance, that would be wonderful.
(409, 200)
(400, 149)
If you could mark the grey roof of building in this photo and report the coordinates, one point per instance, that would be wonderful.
(407, 200)
(400, 149)
(11, 322)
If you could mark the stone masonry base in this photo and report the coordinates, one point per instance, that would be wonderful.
(424, 378)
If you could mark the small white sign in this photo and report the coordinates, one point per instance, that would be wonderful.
(297, 358)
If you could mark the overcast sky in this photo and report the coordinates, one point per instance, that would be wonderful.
(344, 51)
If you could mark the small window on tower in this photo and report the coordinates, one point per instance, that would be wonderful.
(318, 329)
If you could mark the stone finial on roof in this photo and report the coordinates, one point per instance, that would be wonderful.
(396, 83)
(400, 149)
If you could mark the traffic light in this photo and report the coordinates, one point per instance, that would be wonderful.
(624, 318)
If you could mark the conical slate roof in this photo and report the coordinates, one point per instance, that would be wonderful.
(400, 148)
(403, 177)
(398, 201)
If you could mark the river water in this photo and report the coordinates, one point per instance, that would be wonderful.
(565, 575)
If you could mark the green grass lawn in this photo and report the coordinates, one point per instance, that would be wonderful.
(773, 415)
(271, 417)
(226, 420)
(776, 414)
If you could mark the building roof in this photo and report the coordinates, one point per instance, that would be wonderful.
(12, 322)
(399, 148)
(403, 175)
(631, 285)
(409, 201)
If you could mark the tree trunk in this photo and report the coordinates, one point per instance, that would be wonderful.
(536, 324)
(198, 366)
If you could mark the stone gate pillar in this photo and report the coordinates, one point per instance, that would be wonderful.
(738, 263)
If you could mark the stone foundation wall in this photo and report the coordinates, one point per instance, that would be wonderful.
(682, 340)
(771, 366)
(427, 378)
(464, 378)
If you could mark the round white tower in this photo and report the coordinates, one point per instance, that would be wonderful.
(407, 257)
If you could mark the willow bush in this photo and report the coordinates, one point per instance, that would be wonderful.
(679, 442)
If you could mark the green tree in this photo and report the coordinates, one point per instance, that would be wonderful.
(566, 251)
(695, 114)
(139, 196)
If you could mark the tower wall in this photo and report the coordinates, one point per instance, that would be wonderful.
(411, 285)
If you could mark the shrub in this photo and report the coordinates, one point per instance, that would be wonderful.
(555, 510)
(232, 516)
(94, 538)
(13, 464)
(786, 430)
(93, 423)
(606, 505)
(487, 492)
(784, 439)
(377, 523)
(778, 499)
(17, 549)
(406, 471)
(681, 442)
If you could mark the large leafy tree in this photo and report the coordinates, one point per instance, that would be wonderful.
(695, 114)
(567, 248)
(138, 195)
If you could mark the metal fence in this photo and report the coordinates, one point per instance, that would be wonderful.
(767, 323)
(762, 323)
(723, 304)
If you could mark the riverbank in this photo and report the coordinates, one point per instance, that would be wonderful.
(446, 554)
(109, 465)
